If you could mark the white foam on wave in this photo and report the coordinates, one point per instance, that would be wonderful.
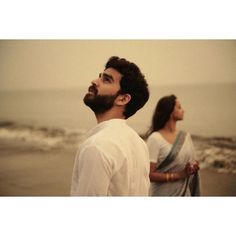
(216, 153)
(216, 156)
(41, 137)
(30, 136)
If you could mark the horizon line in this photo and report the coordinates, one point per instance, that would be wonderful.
(85, 87)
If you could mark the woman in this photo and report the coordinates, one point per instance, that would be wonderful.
(173, 168)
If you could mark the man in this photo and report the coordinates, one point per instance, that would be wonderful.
(113, 160)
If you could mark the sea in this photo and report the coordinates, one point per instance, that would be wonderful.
(57, 118)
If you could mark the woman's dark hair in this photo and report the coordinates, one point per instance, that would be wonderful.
(132, 82)
(164, 108)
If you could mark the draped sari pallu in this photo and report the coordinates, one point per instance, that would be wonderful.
(181, 152)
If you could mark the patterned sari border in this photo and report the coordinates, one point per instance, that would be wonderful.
(179, 141)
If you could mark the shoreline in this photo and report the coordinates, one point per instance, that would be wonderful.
(30, 171)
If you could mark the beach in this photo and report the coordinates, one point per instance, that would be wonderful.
(31, 171)
(40, 131)
(34, 172)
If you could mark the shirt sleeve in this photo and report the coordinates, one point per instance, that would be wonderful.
(153, 148)
(94, 173)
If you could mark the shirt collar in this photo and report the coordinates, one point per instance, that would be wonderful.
(105, 124)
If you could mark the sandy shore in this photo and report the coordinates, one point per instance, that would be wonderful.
(28, 171)
(34, 172)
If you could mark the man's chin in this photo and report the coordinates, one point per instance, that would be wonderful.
(98, 103)
(89, 96)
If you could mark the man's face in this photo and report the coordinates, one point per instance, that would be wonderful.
(103, 91)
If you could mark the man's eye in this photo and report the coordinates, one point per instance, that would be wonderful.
(106, 79)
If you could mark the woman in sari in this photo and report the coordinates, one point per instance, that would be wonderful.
(173, 165)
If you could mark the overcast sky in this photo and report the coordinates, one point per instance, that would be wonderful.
(26, 64)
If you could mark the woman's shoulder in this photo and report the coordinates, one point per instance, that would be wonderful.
(154, 136)
(184, 132)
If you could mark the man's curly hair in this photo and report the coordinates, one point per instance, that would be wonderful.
(132, 82)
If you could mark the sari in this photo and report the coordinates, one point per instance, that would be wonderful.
(181, 152)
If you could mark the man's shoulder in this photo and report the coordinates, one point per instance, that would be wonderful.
(112, 136)
(98, 139)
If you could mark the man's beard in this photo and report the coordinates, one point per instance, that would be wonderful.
(100, 103)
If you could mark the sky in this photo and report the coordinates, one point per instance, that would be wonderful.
(42, 64)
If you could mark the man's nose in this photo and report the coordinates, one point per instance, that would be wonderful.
(94, 83)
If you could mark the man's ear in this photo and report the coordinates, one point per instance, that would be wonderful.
(123, 99)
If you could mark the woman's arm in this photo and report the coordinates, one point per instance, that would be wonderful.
(171, 176)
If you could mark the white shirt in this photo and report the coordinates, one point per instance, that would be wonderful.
(113, 161)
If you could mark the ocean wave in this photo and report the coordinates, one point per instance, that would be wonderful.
(216, 153)
(42, 137)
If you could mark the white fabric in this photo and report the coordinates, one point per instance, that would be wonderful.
(112, 161)
(158, 147)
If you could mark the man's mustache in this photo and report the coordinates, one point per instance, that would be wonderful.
(93, 89)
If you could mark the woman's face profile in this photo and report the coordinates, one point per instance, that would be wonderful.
(178, 112)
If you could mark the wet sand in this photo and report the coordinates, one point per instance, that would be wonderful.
(217, 184)
(30, 171)
(25, 172)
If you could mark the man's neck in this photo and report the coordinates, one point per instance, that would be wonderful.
(108, 115)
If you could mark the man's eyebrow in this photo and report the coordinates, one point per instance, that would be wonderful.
(108, 76)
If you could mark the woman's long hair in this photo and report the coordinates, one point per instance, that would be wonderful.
(161, 115)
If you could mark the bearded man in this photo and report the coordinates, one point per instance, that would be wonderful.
(113, 160)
